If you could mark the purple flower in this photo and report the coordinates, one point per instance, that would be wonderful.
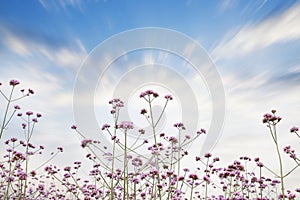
(168, 97)
(85, 142)
(105, 126)
(17, 107)
(67, 168)
(38, 115)
(260, 164)
(137, 162)
(207, 155)
(74, 127)
(29, 113)
(148, 93)
(173, 140)
(23, 125)
(267, 118)
(35, 120)
(143, 111)
(207, 179)
(126, 125)
(216, 159)
(193, 176)
(141, 131)
(30, 91)
(179, 126)
(60, 149)
(10, 179)
(14, 82)
(294, 129)
(202, 131)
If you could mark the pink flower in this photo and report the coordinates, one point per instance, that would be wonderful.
(294, 129)
(207, 155)
(126, 125)
(105, 126)
(29, 113)
(137, 162)
(193, 176)
(148, 93)
(74, 127)
(168, 97)
(207, 179)
(179, 126)
(202, 131)
(14, 82)
(260, 164)
(85, 142)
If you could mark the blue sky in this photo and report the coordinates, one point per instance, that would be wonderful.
(254, 45)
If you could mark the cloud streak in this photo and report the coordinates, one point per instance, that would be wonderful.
(25, 46)
(279, 29)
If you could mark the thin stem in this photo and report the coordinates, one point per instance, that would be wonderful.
(6, 111)
(280, 162)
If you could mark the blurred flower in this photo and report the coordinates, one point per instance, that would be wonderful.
(168, 97)
(126, 125)
(73, 127)
(29, 113)
(14, 82)
(294, 129)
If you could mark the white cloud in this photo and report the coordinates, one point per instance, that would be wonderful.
(281, 28)
(62, 56)
(56, 4)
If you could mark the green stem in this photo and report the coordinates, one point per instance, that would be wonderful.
(6, 111)
(191, 194)
(280, 162)
(155, 142)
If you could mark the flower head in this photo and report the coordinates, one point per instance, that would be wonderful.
(271, 118)
(294, 129)
(29, 113)
(143, 111)
(179, 126)
(202, 131)
(14, 82)
(126, 125)
(30, 91)
(105, 126)
(149, 93)
(17, 107)
(74, 127)
(168, 97)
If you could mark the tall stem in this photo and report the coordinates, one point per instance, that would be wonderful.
(155, 142)
(280, 164)
(6, 111)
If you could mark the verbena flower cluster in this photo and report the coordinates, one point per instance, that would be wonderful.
(132, 174)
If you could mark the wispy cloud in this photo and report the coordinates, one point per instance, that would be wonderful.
(281, 28)
(70, 55)
(227, 5)
(61, 4)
